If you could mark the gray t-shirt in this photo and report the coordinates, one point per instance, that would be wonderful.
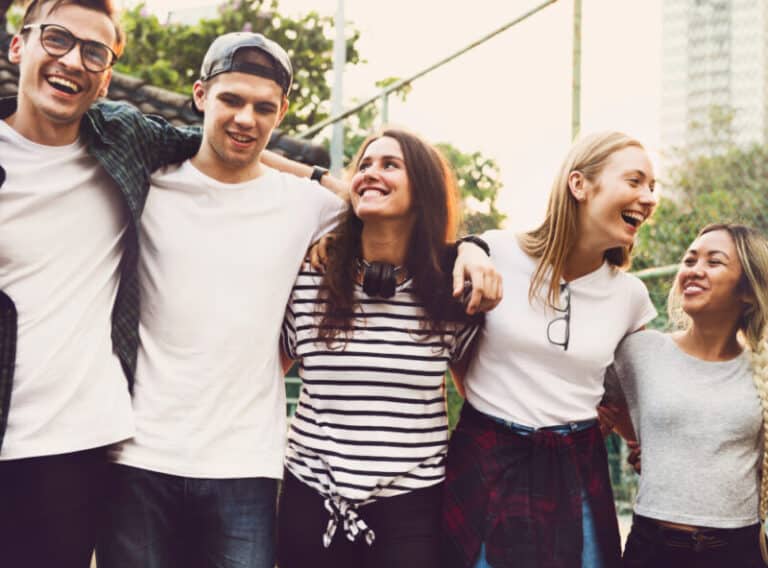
(699, 425)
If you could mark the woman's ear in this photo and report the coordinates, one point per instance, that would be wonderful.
(576, 185)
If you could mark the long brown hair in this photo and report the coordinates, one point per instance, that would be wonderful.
(430, 253)
(552, 241)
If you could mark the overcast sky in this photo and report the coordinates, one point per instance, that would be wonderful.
(511, 97)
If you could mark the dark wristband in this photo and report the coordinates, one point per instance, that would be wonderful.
(318, 173)
(475, 240)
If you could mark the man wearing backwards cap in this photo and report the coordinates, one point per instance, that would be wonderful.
(222, 239)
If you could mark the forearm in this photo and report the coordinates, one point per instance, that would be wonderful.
(283, 164)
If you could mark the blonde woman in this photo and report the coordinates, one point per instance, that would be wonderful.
(695, 407)
(527, 477)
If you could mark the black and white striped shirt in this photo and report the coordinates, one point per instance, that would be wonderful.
(371, 420)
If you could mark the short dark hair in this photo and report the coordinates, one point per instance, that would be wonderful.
(106, 7)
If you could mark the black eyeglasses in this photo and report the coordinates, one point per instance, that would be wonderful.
(560, 327)
(57, 41)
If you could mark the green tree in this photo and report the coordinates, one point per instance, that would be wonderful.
(169, 55)
(729, 186)
(477, 176)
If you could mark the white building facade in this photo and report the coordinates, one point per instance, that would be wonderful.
(714, 64)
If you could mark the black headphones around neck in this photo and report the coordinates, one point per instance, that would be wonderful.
(379, 278)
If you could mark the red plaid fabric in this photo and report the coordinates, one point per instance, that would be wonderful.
(521, 496)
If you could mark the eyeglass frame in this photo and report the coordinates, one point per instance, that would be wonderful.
(75, 41)
(566, 317)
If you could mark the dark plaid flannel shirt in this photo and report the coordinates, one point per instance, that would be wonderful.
(521, 496)
(129, 146)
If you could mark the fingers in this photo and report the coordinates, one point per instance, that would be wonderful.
(606, 419)
(314, 258)
(458, 278)
(318, 252)
(487, 290)
(634, 457)
(322, 247)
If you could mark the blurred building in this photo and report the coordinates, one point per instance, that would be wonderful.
(714, 73)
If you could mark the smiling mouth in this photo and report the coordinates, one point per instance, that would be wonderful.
(240, 138)
(63, 84)
(374, 191)
(634, 218)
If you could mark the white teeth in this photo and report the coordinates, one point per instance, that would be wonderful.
(372, 190)
(242, 139)
(637, 216)
(66, 83)
(692, 288)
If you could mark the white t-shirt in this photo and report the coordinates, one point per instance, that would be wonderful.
(517, 374)
(61, 225)
(216, 268)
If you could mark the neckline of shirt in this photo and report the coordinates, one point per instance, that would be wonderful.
(14, 136)
(213, 183)
(740, 359)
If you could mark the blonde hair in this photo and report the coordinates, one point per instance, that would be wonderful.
(752, 250)
(554, 239)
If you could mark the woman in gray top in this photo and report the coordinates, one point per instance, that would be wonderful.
(694, 397)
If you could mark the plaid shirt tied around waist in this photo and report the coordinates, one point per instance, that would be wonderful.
(521, 496)
(129, 146)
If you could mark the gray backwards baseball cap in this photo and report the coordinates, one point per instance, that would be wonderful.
(221, 58)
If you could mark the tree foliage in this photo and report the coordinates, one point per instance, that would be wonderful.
(478, 177)
(729, 186)
(169, 55)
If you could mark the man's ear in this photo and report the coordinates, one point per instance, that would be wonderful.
(198, 95)
(15, 49)
(283, 110)
(105, 87)
(577, 185)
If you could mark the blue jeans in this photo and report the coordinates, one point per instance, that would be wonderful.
(163, 521)
(51, 509)
(590, 552)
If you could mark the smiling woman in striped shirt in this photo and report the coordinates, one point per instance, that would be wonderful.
(374, 337)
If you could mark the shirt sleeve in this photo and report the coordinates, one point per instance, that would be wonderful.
(463, 339)
(331, 209)
(643, 309)
(288, 330)
(152, 139)
(613, 390)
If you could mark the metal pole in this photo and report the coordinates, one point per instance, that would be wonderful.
(384, 108)
(576, 87)
(400, 84)
(339, 59)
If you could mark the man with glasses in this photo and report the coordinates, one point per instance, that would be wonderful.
(73, 179)
(76, 180)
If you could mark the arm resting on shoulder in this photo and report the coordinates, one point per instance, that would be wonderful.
(473, 264)
(288, 166)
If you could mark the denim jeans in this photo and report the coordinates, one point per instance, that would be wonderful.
(51, 509)
(165, 521)
(651, 545)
